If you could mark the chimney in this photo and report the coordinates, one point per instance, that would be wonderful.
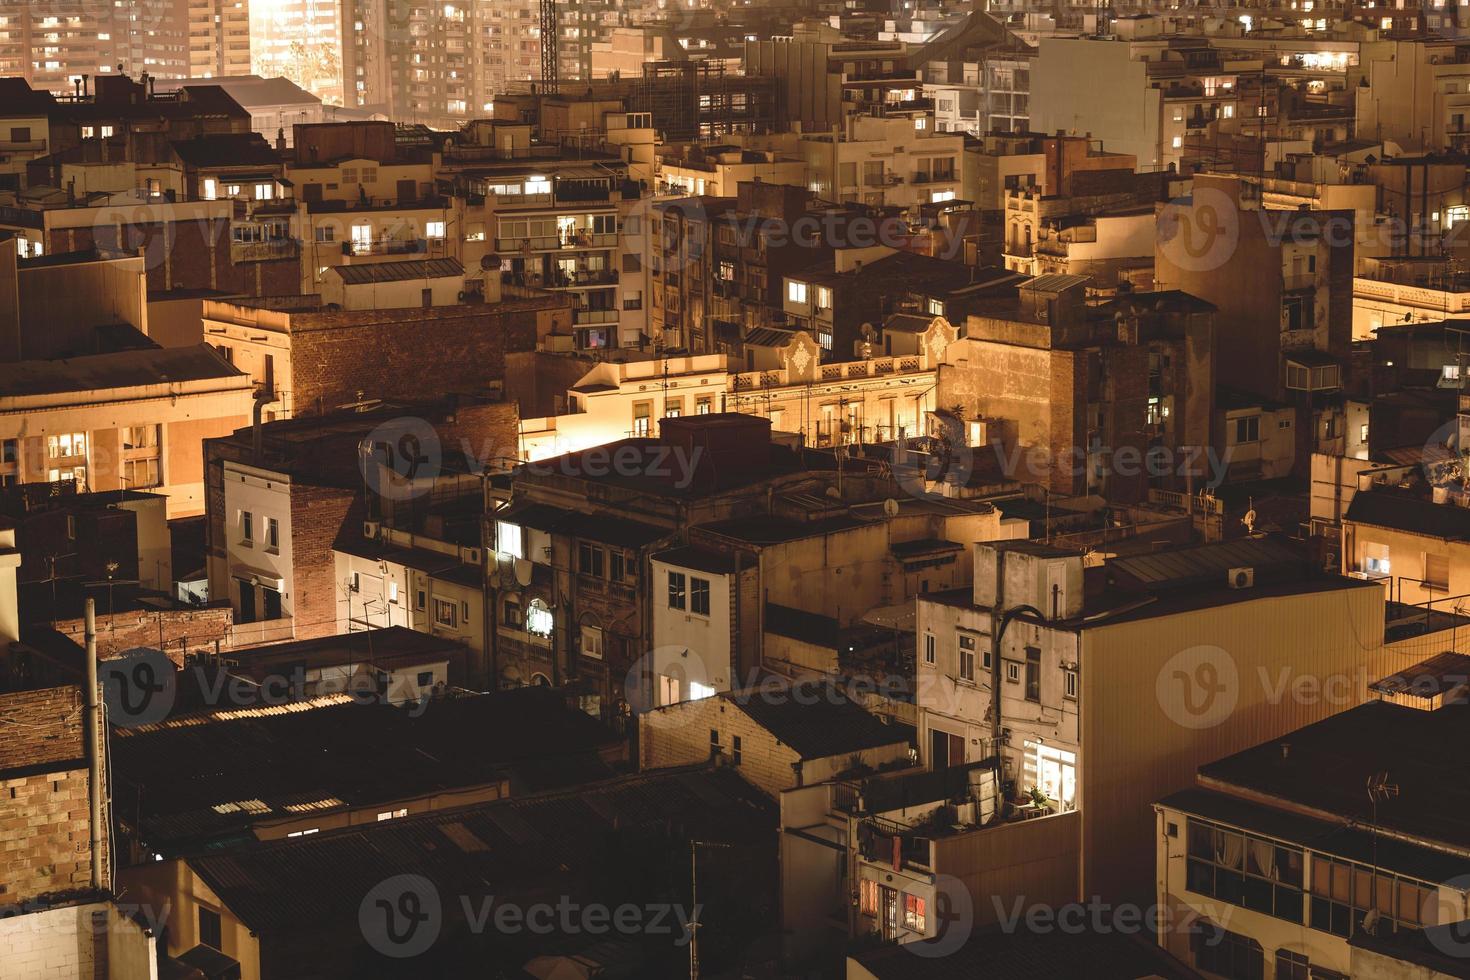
(85, 80)
(257, 439)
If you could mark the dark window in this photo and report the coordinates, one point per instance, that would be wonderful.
(699, 596)
(589, 559)
(1033, 674)
(1248, 429)
(714, 738)
(1244, 870)
(735, 751)
(426, 678)
(1228, 954)
(210, 930)
(617, 566)
(20, 134)
(676, 590)
(1343, 893)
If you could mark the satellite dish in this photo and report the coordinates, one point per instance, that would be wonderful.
(488, 262)
(867, 331)
(890, 507)
(522, 572)
(1249, 520)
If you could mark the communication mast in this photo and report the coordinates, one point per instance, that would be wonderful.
(550, 63)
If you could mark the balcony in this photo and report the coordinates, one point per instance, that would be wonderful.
(281, 248)
(589, 316)
(1301, 280)
(386, 246)
(583, 279)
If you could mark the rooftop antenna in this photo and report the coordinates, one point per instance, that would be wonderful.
(1379, 788)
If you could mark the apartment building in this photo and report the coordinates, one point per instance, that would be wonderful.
(306, 358)
(860, 401)
(1400, 291)
(280, 495)
(219, 38)
(1282, 292)
(1416, 92)
(1282, 870)
(1061, 387)
(1101, 224)
(1077, 690)
(867, 299)
(300, 40)
(115, 412)
(54, 46)
(693, 170)
(554, 223)
(886, 161)
(439, 64)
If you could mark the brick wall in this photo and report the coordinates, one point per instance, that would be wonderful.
(679, 735)
(170, 630)
(93, 939)
(406, 353)
(317, 514)
(44, 812)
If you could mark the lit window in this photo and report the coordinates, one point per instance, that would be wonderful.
(795, 291)
(824, 298)
(434, 229)
(913, 912)
(446, 613)
(1457, 213)
(538, 618)
(936, 307)
(508, 539)
(592, 642)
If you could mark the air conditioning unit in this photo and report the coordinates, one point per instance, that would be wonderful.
(1241, 578)
(370, 529)
(1362, 575)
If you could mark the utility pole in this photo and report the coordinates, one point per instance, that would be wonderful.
(694, 847)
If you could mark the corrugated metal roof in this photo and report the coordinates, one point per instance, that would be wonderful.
(1210, 561)
(1055, 283)
(356, 275)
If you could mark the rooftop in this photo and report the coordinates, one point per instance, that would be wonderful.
(1411, 511)
(356, 275)
(318, 882)
(1325, 766)
(121, 369)
(191, 785)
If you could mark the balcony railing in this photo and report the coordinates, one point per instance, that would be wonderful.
(386, 246)
(283, 248)
(587, 316)
(583, 278)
